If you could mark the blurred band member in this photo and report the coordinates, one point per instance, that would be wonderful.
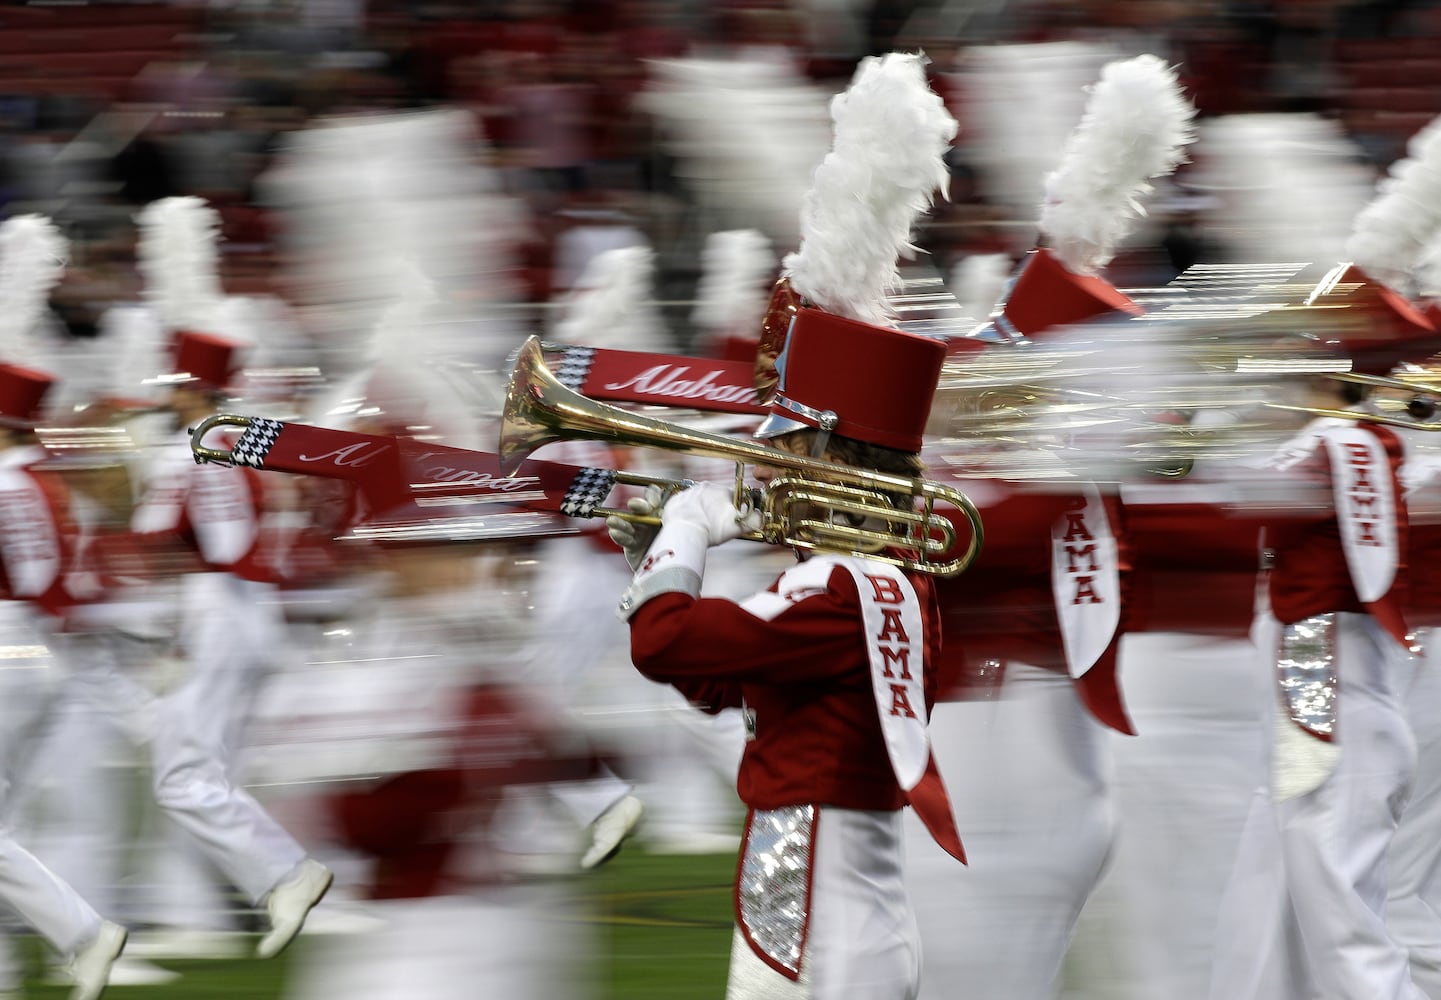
(206, 523)
(1310, 881)
(39, 557)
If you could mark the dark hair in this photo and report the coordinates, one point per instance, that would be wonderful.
(1354, 392)
(864, 455)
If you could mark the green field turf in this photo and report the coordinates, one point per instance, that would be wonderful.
(662, 926)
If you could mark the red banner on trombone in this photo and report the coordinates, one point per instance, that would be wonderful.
(394, 472)
(659, 379)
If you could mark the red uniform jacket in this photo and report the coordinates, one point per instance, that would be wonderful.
(805, 675)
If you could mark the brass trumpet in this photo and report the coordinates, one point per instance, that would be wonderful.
(539, 410)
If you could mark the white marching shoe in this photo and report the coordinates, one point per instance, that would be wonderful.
(290, 902)
(89, 970)
(610, 829)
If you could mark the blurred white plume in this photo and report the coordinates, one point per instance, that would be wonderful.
(978, 281)
(886, 163)
(32, 260)
(1135, 129)
(1279, 187)
(738, 268)
(1389, 235)
(1019, 103)
(613, 304)
(746, 132)
(179, 259)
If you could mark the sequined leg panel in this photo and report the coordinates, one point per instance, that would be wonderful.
(773, 894)
(1307, 673)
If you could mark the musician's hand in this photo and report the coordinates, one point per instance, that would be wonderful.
(711, 508)
(634, 539)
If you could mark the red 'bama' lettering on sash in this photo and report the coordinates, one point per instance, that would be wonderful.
(895, 639)
(1365, 508)
(1085, 581)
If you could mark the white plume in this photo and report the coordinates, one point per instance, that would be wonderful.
(179, 259)
(1388, 236)
(1019, 104)
(613, 304)
(32, 260)
(1427, 273)
(886, 163)
(746, 132)
(1136, 127)
(978, 282)
(738, 268)
(1279, 187)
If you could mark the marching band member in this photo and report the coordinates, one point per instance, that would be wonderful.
(207, 525)
(1413, 903)
(1309, 884)
(825, 774)
(1310, 881)
(1030, 685)
(415, 739)
(833, 665)
(1191, 684)
(40, 566)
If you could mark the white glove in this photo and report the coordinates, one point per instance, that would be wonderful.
(634, 539)
(691, 521)
(710, 508)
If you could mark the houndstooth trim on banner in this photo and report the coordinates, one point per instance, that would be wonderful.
(255, 443)
(587, 491)
(574, 366)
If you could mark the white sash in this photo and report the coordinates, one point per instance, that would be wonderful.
(895, 640)
(29, 543)
(1365, 508)
(1085, 581)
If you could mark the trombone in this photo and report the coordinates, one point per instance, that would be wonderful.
(540, 410)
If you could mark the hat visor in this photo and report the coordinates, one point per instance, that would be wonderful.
(774, 425)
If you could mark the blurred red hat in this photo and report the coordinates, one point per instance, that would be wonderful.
(876, 383)
(1045, 294)
(1388, 329)
(22, 393)
(204, 360)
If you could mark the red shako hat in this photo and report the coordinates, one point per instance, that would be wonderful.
(22, 392)
(869, 383)
(1046, 294)
(204, 360)
(1392, 330)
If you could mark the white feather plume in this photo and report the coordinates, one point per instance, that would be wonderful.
(887, 160)
(1279, 187)
(32, 260)
(1136, 127)
(738, 268)
(179, 259)
(747, 132)
(1020, 103)
(1389, 235)
(613, 303)
(978, 282)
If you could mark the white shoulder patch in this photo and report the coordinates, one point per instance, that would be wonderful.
(807, 579)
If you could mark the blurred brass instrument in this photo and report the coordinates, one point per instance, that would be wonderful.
(539, 410)
(1117, 399)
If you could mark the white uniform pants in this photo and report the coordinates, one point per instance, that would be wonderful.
(1183, 783)
(1029, 776)
(862, 942)
(1323, 854)
(1413, 906)
(515, 944)
(29, 686)
(231, 628)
